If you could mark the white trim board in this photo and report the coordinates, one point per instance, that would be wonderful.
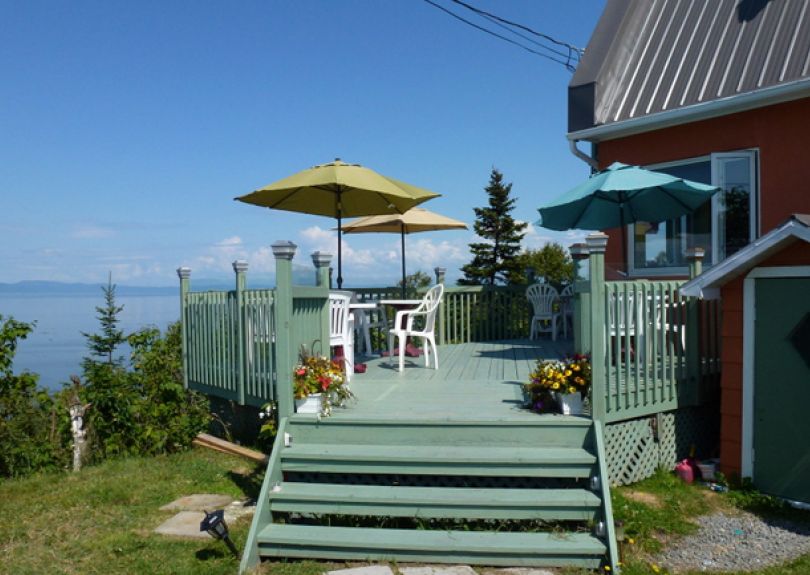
(749, 345)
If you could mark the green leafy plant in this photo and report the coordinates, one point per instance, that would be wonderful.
(31, 423)
(145, 410)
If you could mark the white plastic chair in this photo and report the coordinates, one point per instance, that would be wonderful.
(543, 297)
(341, 330)
(621, 324)
(404, 327)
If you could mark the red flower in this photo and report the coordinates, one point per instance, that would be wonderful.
(301, 371)
(324, 381)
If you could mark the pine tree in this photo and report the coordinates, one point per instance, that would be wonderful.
(103, 345)
(495, 260)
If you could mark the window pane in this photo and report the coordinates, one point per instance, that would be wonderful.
(734, 205)
(658, 245)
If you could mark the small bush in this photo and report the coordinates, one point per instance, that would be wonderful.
(31, 426)
(146, 410)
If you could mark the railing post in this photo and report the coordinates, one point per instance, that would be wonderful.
(597, 243)
(239, 268)
(323, 272)
(582, 337)
(184, 274)
(284, 252)
(693, 392)
(440, 280)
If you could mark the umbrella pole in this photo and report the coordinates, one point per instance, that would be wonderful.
(340, 243)
(402, 233)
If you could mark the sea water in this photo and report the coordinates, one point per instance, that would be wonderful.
(55, 348)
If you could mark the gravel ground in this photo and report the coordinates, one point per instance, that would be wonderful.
(741, 542)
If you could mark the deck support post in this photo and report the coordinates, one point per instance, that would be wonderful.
(597, 243)
(323, 275)
(693, 391)
(441, 320)
(579, 253)
(184, 274)
(240, 268)
(283, 306)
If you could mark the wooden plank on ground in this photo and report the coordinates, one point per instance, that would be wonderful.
(217, 444)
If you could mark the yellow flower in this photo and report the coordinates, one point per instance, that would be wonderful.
(555, 385)
(655, 568)
(607, 567)
(567, 372)
(572, 389)
(631, 541)
(575, 367)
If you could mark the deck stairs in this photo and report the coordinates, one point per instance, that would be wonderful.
(501, 493)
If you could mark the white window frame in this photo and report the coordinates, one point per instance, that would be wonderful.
(714, 159)
(753, 199)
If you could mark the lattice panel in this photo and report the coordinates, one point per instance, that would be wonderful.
(631, 451)
(634, 454)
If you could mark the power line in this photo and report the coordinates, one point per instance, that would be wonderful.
(570, 47)
(573, 51)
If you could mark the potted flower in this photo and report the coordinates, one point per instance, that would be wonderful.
(318, 385)
(567, 381)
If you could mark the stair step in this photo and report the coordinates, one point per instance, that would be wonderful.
(439, 460)
(477, 547)
(429, 502)
(558, 431)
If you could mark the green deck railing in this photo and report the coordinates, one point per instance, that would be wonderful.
(652, 350)
(241, 345)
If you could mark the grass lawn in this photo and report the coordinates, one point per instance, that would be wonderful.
(101, 520)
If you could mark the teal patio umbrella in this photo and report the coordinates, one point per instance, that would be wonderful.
(622, 195)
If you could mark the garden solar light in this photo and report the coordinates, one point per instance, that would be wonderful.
(214, 524)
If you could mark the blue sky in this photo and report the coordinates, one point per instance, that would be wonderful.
(127, 128)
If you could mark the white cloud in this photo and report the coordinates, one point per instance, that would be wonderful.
(91, 232)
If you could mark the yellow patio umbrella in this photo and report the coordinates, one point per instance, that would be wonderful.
(413, 221)
(339, 190)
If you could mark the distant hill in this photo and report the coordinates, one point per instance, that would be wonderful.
(45, 288)
(41, 287)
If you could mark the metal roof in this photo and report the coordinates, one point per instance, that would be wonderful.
(651, 56)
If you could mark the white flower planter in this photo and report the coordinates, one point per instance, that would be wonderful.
(310, 404)
(570, 403)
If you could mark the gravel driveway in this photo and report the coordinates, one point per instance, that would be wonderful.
(740, 541)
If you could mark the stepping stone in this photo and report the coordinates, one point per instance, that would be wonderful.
(198, 502)
(517, 571)
(370, 570)
(184, 524)
(438, 570)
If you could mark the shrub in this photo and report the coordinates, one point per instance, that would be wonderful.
(31, 426)
(147, 410)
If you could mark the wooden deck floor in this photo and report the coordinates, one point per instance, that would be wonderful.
(475, 381)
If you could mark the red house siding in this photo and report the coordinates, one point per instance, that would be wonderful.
(779, 132)
(732, 358)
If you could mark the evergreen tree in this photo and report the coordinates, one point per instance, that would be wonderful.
(103, 345)
(495, 260)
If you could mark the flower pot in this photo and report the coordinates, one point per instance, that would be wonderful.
(310, 404)
(570, 403)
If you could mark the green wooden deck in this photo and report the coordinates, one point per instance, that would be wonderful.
(475, 381)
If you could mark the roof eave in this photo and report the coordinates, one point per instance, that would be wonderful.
(707, 285)
(721, 107)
